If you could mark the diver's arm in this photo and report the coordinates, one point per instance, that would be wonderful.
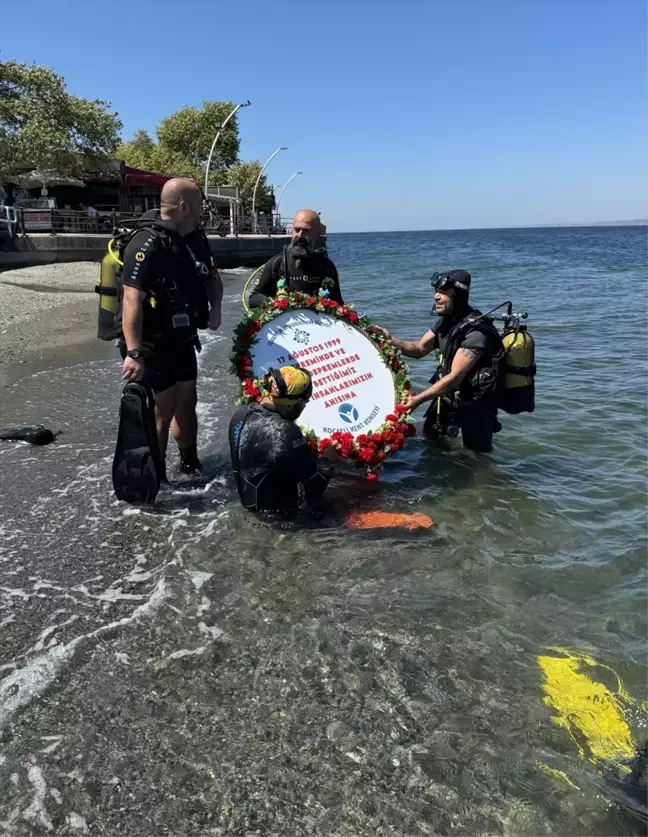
(215, 298)
(416, 348)
(463, 361)
(296, 458)
(133, 316)
(266, 286)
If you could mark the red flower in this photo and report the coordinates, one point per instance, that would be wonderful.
(324, 445)
(395, 364)
(371, 476)
(353, 317)
(378, 438)
(281, 303)
(312, 444)
(329, 303)
(310, 300)
(391, 417)
(410, 430)
(400, 410)
(362, 439)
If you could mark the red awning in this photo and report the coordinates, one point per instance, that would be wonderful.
(140, 177)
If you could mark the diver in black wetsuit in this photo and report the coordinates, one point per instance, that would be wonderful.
(275, 469)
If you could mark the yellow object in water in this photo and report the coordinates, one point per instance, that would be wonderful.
(591, 714)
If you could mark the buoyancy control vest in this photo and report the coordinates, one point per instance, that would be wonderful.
(484, 383)
(296, 278)
(178, 306)
(506, 380)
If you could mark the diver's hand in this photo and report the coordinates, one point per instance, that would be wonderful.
(214, 320)
(386, 334)
(412, 403)
(132, 370)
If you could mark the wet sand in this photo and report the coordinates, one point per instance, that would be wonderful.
(48, 319)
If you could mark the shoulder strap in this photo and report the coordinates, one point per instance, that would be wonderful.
(286, 272)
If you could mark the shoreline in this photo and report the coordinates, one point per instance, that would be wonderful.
(48, 320)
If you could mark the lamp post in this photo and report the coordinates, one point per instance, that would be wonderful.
(284, 189)
(213, 146)
(256, 185)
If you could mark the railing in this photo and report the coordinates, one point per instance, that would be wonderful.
(59, 221)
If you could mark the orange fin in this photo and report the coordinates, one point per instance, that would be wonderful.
(388, 520)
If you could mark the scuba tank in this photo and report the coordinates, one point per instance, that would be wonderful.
(518, 393)
(106, 287)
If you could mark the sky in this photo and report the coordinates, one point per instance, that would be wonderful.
(401, 114)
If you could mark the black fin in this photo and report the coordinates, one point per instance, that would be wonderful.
(137, 465)
(36, 434)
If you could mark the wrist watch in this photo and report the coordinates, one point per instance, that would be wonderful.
(134, 353)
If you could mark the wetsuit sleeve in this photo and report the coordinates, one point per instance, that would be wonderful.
(335, 292)
(142, 263)
(267, 284)
(296, 459)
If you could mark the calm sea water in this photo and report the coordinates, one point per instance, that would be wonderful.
(185, 671)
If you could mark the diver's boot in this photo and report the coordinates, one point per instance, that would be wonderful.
(189, 462)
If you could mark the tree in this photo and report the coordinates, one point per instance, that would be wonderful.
(184, 141)
(244, 176)
(45, 128)
(144, 153)
(190, 132)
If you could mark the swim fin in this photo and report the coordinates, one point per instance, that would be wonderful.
(137, 465)
(36, 434)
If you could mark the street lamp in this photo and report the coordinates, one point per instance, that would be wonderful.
(256, 185)
(213, 146)
(284, 189)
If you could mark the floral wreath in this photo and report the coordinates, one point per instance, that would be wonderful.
(368, 450)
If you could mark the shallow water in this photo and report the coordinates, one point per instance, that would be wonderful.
(187, 671)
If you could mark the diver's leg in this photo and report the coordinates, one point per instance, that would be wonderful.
(184, 426)
(477, 424)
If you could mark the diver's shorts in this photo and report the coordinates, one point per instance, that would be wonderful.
(167, 365)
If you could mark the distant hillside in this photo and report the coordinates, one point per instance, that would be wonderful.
(642, 222)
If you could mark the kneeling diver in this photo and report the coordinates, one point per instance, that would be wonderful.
(274, 467)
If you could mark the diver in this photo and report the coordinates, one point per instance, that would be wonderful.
(303, 265)
(274, 467)
(168, 289)
(466, 387)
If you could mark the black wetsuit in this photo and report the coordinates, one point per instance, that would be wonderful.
(306, 275)
(167, 268)
(272, 461)
(475, 411)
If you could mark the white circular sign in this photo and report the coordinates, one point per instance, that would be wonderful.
(353, 390)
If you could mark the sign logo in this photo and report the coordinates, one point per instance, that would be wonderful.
(348, 413)
(139, 256)
(301, 336)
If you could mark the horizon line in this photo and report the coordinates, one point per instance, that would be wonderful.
(592, 224)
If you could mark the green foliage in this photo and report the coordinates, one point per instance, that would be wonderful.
(184, 141)
(244, 176)
(190, 132)
(43, 127)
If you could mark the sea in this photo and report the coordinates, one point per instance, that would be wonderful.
(188, 670)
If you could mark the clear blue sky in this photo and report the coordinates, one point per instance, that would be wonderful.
(402, 115)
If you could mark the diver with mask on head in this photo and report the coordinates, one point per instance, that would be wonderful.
(466, 387)
(302, 265)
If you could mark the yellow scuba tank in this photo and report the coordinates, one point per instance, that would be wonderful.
(106, 287)
(518, 393)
